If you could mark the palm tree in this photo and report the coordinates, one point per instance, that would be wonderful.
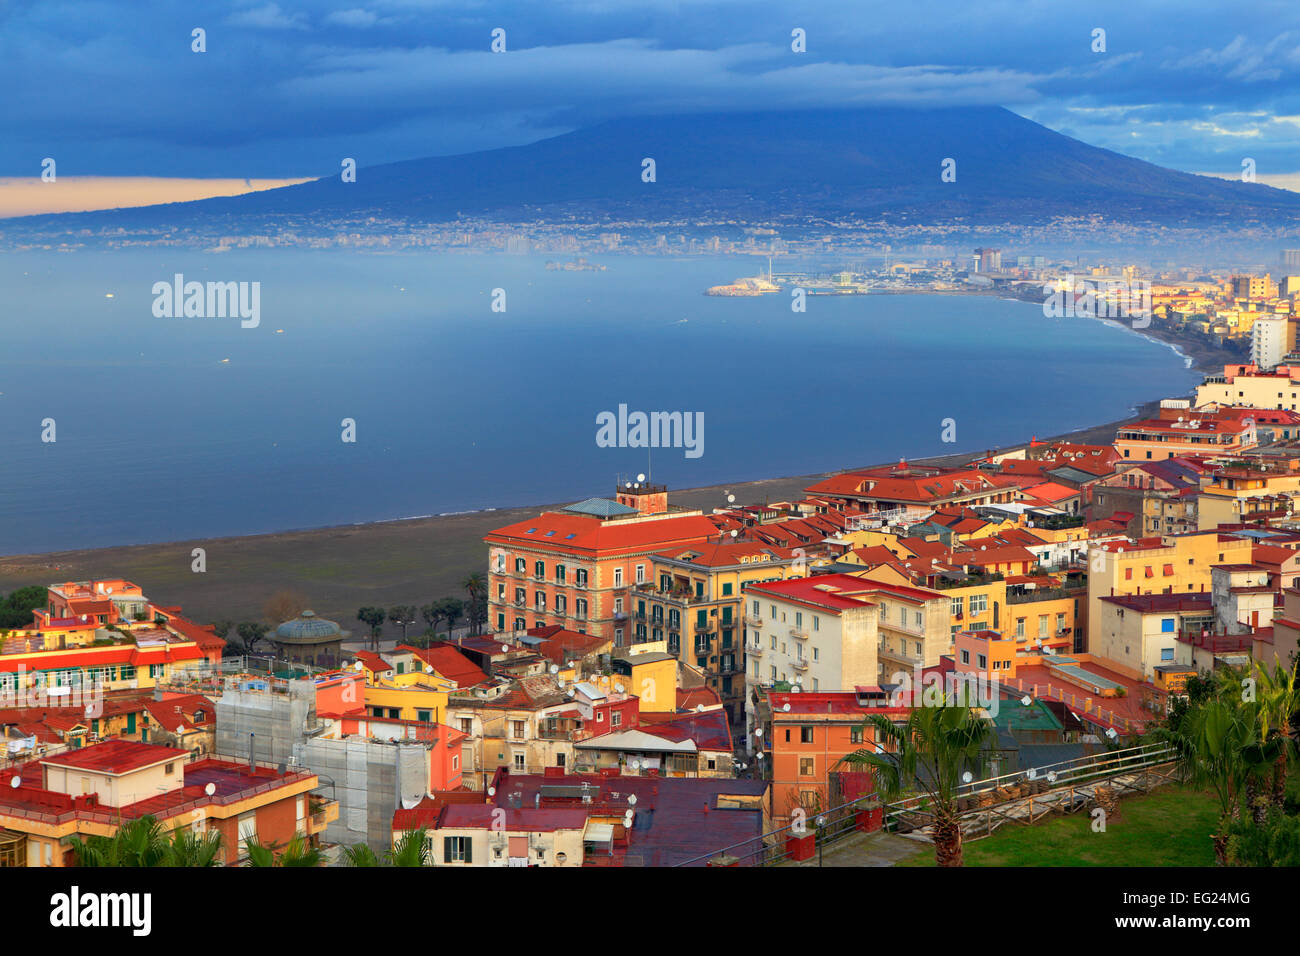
(452, 608)
(373, 618)
(297, 852)
(1279, 699)
(1218, 749)
(194, 849)
(144, 843)
(403, 615)
(409, 850)
(476, 587)
(929, 753)
(432, 614)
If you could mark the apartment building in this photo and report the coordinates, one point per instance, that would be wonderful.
(576, 567)
(94, 790)
(694, 603)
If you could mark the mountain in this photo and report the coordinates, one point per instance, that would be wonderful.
(793, 166)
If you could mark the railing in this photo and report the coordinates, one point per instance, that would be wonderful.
(769, 849)
(1065, 773)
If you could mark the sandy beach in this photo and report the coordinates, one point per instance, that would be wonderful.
(340, 569)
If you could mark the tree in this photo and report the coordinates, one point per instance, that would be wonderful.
(16, 609)
(297, 852)
(250, 633)
(403, 615)
(452, 609)
(1214, 745)
(144, 843)
(1279, 699)
(373, 618)
(476, 607)
(929, 753)
(283, 606)
(411, 849)
(432, 614)
(222, 630)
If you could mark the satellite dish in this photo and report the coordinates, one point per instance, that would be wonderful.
(358, 665)
(428, 668)
(734, 532)
(1031, 773)
(760, 755)
(636, 765)
(640, 477)
(821, 821)
(492, 791)
(16, 782)
(785, 707)
(555, 668)
(731, 499)
(618, 688)
(796, 687)
(699, 708)
(631, 799)
(758, 731)
(627, 484)
(505, 648)
(210, 789)
(1110, 732)
(1051, 776)
(966, 777)
(1026, 700)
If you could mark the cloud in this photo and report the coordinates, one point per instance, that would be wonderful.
(268, 17)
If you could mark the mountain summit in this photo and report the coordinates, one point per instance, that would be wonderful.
(869, 164)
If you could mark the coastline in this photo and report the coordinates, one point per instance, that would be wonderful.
(341, 568)
(413, 560)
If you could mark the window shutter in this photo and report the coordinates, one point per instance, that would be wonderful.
(446, 849)
(469, 850)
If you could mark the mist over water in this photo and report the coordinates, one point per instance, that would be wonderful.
(178, 428)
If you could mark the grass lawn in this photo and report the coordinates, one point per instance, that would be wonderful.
(1170, 827)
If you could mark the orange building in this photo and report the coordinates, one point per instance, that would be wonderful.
(809, 734)
(92, 791)
(576, 567)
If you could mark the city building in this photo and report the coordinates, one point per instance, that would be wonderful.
(94, 790)
(576, 567)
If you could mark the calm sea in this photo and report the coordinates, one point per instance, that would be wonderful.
(168, 429)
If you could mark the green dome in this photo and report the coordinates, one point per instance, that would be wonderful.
(307, 628)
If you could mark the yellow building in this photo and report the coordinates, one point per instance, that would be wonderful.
(1236, 495)
(694, 605)
(1172, 564)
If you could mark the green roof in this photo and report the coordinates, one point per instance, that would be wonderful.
(600, 508)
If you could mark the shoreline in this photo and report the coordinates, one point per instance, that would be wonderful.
(417, 559)
(340, 568)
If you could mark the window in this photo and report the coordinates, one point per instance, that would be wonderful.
(640, 574)
(457, 850)
(1167, 625)
(519, 762)
(806, 767)
(726, 589)
(520, 565)
(954, 607)
(983, 662)
(618, 577)
(1042, 625)
(855, 735)
(965, 657)
(170, 768)
(517, 728)
(817, 622)
(1128, 574)
(805, 735)
(979, 603)
(1166, 653)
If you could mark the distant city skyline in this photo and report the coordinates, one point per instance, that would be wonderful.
(286, 90)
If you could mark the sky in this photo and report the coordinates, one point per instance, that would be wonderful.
(286, 89)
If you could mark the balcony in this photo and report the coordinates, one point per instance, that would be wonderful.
(754, 650)
(799, 632)
(800, 663)
(322, 812)
(754, 619)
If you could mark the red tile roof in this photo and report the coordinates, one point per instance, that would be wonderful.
(116, 756)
